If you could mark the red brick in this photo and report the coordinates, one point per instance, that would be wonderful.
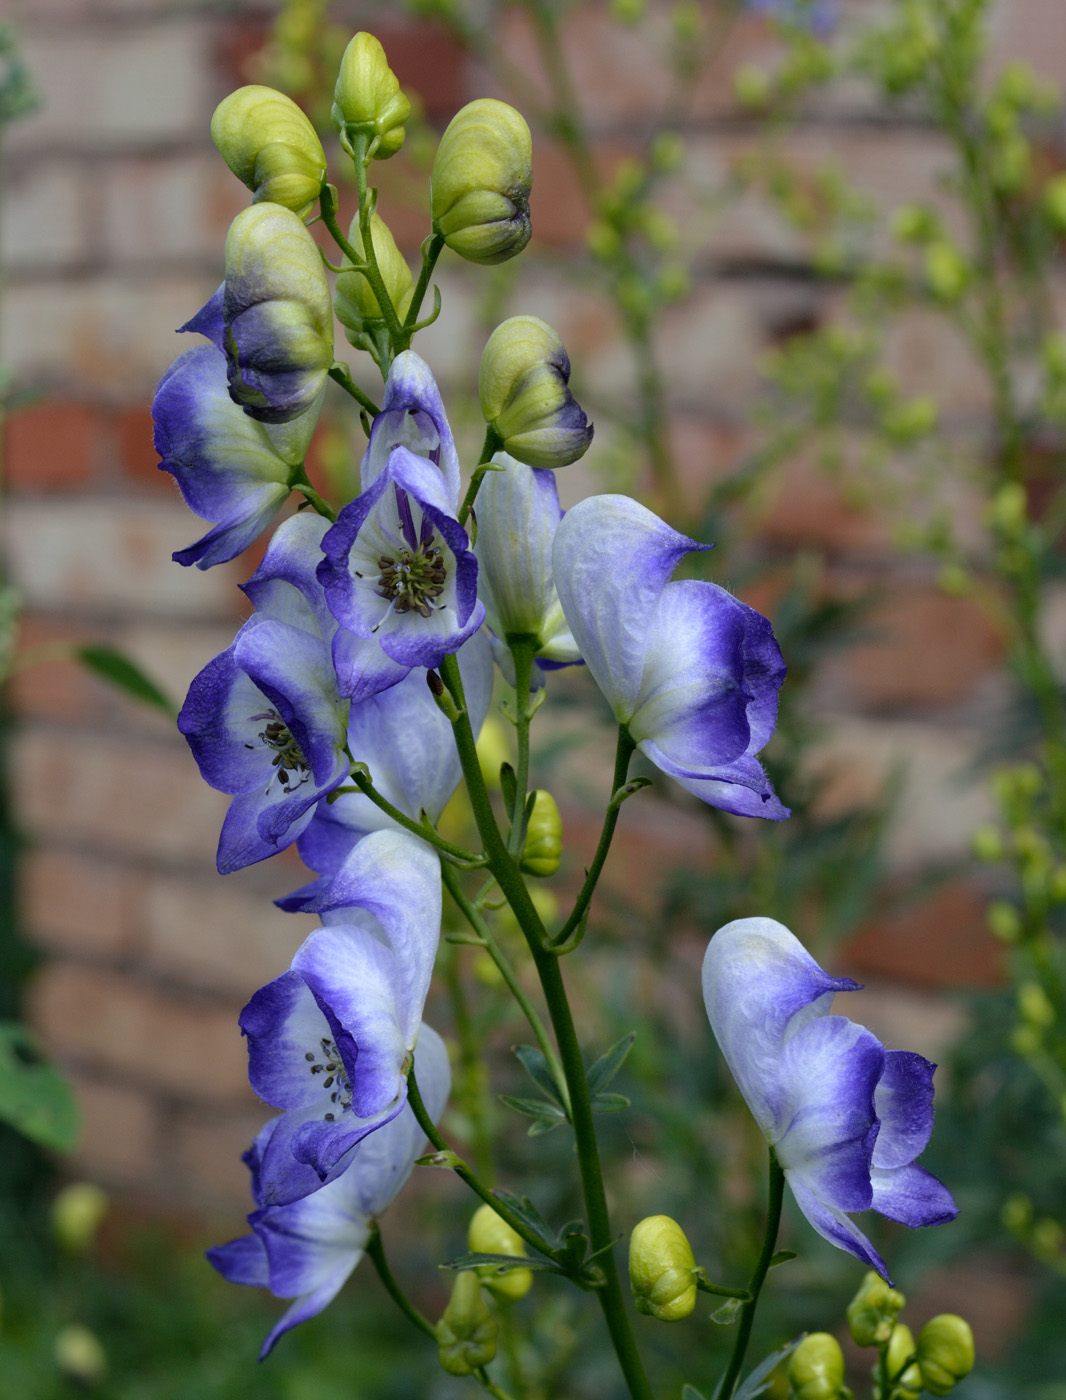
(928, 649)
(941, 940)
(428, 60)
(136, 449)
(55, 687)
(49, 446)
(808, 508)
(119, 1140)
(206, 1158)
(147, 1035)
(89, 907)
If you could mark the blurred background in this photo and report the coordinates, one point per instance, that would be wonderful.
(808, 263)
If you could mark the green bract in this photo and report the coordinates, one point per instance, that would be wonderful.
(482, 177)
(354, 300)
(271, 146)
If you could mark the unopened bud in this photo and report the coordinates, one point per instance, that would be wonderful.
(367, 100)
(1004, 921)
(466, 1334)
(76, 1215)
(946, 271)
(872, 1312)
(79, 1355)
(816, 1369)
(544, 837)
(945, 1352)
(490, 1234)
(907, 1378)
(482, 176)
(662, 1270)
(523, 384)
(354, 300)
(271, 146)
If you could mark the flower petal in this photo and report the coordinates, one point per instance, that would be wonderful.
(912, 1196)
(832, 1224)
(904, 1104)
(411, 395)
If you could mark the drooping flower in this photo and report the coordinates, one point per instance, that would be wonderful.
(230, 468)
(307, 1249)
(408, 745)
(264, 719)
(398, 572)
(845, 1117)
(330, 1040)
(518, 515)
(691, 671)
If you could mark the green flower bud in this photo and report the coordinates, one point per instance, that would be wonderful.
(915, 223)
(1055, 201)
(907, 1378)
(816, 1369)
(76, 1215)
(354, 301)
(662, 1270)
(544, 837)
(482, 176)
(945, 1353)
(1004, 921)
(271, 146)
(367, 100)
(988, 843)
(466, 1334)
(523, 384)
(79, 1355)
(945, 270)
(872, 1312)
(490, 1234)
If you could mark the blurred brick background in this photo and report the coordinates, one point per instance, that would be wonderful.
(115, 212)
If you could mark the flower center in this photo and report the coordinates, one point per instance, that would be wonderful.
(288, 757)
(414, 581)
(327, 1062)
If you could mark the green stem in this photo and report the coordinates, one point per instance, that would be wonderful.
(485, 1380)
(365, 785)
(431, 251)
(322, 506)
(623, 755)
(463, 1172)
(376, 1255)
(514, 888)
(507, 972)
(522, 649)
(492, 444)
(368, 262)
(776, 1193)
(340, 375)
(472, 1082)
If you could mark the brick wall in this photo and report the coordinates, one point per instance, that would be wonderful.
(114, 218)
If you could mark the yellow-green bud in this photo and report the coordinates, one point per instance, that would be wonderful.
(76, 1215)
(915, 223)
(908, 1382)
(367, 99)
(271, 146)
(544, 836)
(1055, 201)
(751, 86)
(988, 843)
(945, 270)
(490, 1234)
(945, 1352)
(662, 1269)
(872, 1312)
(354, 300)
(816, 1369)
(466, 1334)
(79, 1355)
(482, 176)
(523, 384)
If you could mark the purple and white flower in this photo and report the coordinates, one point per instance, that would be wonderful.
(230, 469)
(518, 515)
(692, 672)
(412, 416)
(329, 1041)
(307, 1249)
(845, 1117)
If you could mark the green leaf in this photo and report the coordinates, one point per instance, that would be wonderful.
(540, 1126)
(603, 1070)
(536, 1066)
(726, 1315)
(534, 1108)
(34, 1097)
(501, 1263)
(609, 1103)
(445, 1158)
(758, 1381)
(118, 670)
(527, 1212)
(782, 1257)
(689, 1392)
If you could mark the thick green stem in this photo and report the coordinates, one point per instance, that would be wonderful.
(368, 262)
(492, 444)
(340, 375)
(623, 755)
(509, 878)
(376, 1255)
(776, 1192)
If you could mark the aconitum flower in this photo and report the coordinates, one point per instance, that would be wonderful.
(692, 672)
(845, 1117)
(518, 515)
(307, 1249)
(329, 1041)
(230, 468)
